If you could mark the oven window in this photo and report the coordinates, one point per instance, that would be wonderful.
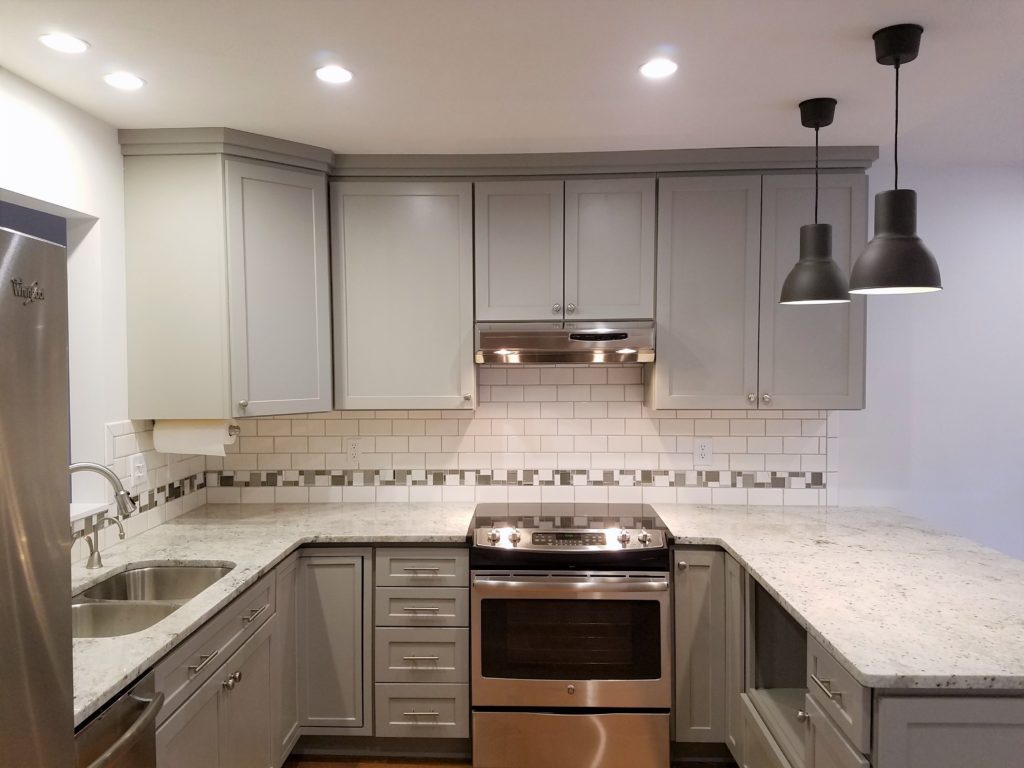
(570, 639)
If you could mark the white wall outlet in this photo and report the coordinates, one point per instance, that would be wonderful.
(138, 470)
(353, 451)
(703, 454)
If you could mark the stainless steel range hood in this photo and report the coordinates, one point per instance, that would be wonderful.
(572, 342)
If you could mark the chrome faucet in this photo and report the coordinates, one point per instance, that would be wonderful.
(125, 507)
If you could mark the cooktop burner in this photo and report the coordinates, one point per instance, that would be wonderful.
(565, 516)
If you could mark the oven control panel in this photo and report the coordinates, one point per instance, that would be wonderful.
(583, 540)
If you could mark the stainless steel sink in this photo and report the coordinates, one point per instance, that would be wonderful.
(116, 618)
(170, 582)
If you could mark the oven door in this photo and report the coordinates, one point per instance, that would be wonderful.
(571, 640)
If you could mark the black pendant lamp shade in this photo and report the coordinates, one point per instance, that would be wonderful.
(896, 261)
(816, 278)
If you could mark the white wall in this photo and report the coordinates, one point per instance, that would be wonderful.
(55, 157)
(941, 437)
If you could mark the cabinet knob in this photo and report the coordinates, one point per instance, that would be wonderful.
(570, 308)
(243, 403)
(682, 565)
(467, 397)
(802, 716)
(556, 308)
(232, 681)
(766, 398)
(751, 398)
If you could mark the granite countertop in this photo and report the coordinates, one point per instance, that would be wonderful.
(901, 604)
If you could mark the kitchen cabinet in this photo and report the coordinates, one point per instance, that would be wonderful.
(403, 292)
(825, 746)
(700, 650)
(725, 245)
(285, 661)
(759, 748)
(333, 642)
(573, 250)
(735, 654)
(228, 309)
(227, 722)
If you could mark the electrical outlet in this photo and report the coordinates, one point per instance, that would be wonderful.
(353, 452)
(703, 454)
(138, 469)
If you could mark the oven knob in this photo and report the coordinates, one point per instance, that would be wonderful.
(494, 536)
(571, 689)
(623, 537)
(644, 538)
(514, 537)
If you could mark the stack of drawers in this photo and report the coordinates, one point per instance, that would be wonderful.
(421, 643)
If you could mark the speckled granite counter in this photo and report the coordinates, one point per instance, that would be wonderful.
(901, 604)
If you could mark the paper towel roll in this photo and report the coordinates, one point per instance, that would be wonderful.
(188, 436)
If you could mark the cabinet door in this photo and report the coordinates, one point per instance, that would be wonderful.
(245, 727)
(708, 263)
(279, 294)
(735, 655)
(759, 747)
(824, 745)
(519, 250)
(403, 283)
(700, 645)
(332, 637)
(285, 684)
(190, 738)
(609, 249)
(811, 356)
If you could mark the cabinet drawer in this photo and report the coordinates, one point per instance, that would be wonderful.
(422, 568)
(184, 669)
(414, 655)
(418, 711)
(421, 607)
(759, 748)
(826, 746)
(841, 697)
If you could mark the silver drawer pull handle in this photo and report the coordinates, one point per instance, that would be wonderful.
(204, 659)
(421, 714)
(431, 608)
(433, 568)
(254, 614)
(421, 658)
(826, 688)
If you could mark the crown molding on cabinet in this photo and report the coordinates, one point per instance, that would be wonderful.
(228, 141)
(657, 161)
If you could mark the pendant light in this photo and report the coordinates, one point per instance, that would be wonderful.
(896, 261)
(816, 278)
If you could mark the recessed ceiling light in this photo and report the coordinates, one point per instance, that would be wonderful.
(59, 41)
(655, 69)
(332, 73)
(124, 81)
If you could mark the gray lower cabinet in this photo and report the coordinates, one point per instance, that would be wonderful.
(735, 654)
(700, 637)
(403, 294)
(422, 711)
(725, 246)
(759, 747)
(824, 744)
(333, 642)
(285, 661)
(227, 722)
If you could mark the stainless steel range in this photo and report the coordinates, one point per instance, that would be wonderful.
(571, 636)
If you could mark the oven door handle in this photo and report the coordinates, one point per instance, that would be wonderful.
(506, 586)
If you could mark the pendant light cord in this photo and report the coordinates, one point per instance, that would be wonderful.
(896, 132)
(816, 129)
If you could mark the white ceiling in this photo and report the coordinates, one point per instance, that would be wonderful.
(539, 75)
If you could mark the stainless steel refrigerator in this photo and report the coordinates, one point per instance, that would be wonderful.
(36, 700)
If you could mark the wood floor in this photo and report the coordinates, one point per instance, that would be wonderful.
(341, 762)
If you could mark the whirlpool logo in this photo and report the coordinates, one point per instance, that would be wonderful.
(28, 291)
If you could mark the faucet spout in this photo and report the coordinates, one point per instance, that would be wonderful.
(125, 505)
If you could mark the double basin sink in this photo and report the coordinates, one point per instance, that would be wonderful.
(139, 597)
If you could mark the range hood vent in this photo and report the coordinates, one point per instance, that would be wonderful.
(557, 342)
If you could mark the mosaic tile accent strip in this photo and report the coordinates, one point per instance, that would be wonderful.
(164, 494)
(644, 478)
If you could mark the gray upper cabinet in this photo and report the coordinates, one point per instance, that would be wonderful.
(609, 249)
(519, 243)
(725, 246)
(228, 297)
(601, 269)
(709, 233)
(403, 291)
(811, 356)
